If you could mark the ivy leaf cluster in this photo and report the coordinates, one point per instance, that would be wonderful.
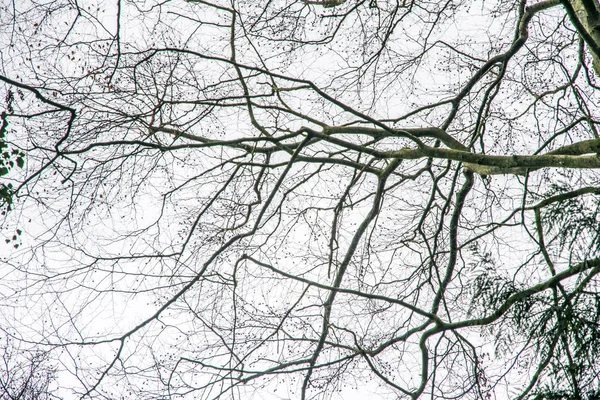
(9, 159)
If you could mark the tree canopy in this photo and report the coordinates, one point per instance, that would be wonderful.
(303, 199)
